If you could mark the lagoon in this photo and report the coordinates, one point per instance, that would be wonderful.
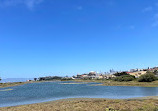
(49, 91)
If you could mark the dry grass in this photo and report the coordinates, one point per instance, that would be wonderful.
(90, 105)
(130, 83)
(2, 85)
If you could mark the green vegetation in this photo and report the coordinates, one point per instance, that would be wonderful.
(124, 78)
(49, 78)
(156, 72)
(66, 79)
(35, 79)
(148, 77)
(120, 74)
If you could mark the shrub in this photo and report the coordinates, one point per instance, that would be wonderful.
(124, 78)
(66, 79)
(121, 74)
(148, 77)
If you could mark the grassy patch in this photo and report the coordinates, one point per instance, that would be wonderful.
(129, 83)
(90, 105)
(2, 85)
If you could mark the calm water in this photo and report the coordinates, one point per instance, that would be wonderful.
(48, 91)
(15, 80)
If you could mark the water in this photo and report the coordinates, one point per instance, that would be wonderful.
(48, 91)
(15, 80)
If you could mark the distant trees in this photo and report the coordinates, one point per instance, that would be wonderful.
(66, 79)
(35, 79)
(120, 73)
(57, 78)
(50, 78)
(148, 77)
(0, 79)
(123, 76)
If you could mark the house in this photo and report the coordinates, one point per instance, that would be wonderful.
(79, 76)
(153, 69)
(99, 77)
(84, 76)
(92, 73)
(109, 76)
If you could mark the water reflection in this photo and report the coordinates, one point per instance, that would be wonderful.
(148, 91)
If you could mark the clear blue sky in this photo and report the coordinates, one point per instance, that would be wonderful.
(66, 37)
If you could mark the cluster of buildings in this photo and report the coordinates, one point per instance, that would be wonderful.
(94, 75)
(101, 75)
(138, 72)
(106, 75)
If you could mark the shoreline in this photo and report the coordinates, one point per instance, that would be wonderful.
(104, 83)
(99, 104)
(12, 84)
(129, 83)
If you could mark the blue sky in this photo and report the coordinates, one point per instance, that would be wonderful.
(66, 37)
